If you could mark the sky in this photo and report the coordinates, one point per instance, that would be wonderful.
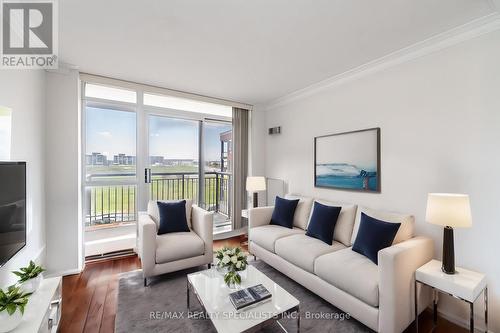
(359, 149)
(111, 132)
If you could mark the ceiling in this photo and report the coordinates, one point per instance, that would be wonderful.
(246, 51)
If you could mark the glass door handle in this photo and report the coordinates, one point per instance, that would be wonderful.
(147, 175)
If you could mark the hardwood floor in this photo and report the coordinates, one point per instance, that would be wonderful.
(89, 298)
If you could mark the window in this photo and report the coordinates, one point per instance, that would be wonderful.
(110, 165)
(110, 93)
(189, 105)
(110, 144)
(147, 146)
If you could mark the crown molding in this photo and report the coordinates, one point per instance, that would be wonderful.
(473, 29)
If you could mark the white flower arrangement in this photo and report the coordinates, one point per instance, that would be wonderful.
(233, 260)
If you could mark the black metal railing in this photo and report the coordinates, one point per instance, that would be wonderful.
(185, 185)
(108, 204)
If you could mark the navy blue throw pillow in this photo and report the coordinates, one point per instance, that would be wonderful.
(283, 212)
(373, 236)
(323, 222)
(172, 217)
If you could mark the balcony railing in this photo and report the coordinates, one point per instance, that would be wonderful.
(110, 204)
(117, 203)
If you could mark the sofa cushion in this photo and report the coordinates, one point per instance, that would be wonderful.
(155, 213)
(345, 223)
(302, 250)
(172, 217)
(284, 211)
(302, 212)
(266, 236)
(323, 220)
(351, 272)
(373, 236)
(405, 231)
(178, 245)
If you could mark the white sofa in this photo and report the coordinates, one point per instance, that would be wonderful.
(171, 252)
(381, 297)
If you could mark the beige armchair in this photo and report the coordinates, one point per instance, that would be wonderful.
(175, 251)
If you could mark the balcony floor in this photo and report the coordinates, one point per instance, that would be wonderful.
(222, 223)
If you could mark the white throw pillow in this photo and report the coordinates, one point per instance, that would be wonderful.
(345, 223)
(155, 213)
(302, 212)
(405, 231)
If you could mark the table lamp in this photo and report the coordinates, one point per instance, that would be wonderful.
(255, 184)
(450, 211)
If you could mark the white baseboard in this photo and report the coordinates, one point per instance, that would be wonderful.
(64, 273)
(463, 322)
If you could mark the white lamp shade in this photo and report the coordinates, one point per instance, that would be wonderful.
(255, 184)
(448, 209)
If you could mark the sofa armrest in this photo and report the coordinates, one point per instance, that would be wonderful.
(259, 216)
(147, 244)
(397, 265)
(203, 224)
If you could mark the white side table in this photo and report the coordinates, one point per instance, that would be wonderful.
(465, 285)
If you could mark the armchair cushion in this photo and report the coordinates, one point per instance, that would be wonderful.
(172, 217)
(178, 245)
(154, 213)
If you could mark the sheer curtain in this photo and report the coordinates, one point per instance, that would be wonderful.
(240, 164)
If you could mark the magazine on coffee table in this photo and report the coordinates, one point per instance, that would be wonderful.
(249, 296)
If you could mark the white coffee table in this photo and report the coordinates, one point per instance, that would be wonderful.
(213, 295)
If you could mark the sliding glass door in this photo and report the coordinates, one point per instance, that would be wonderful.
(175, 148)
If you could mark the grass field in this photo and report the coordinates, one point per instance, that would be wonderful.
(117, 203)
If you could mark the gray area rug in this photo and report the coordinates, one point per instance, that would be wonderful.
(167, 294)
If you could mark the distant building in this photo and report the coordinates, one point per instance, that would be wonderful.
(226, 151)
(96, 159)
(122, 159)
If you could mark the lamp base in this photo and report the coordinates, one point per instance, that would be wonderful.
(448, 251)
(255, 199)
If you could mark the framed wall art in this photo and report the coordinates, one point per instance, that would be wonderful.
(348, 161)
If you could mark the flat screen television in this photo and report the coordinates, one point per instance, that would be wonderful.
(12, 209)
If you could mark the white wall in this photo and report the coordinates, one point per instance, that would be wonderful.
(440, 125)
(23, 91)
(64, 237)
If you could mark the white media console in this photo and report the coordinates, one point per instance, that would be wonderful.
(43, 312)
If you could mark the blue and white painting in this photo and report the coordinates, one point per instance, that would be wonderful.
(348, 161)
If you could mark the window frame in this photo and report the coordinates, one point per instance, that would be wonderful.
(142, 144)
